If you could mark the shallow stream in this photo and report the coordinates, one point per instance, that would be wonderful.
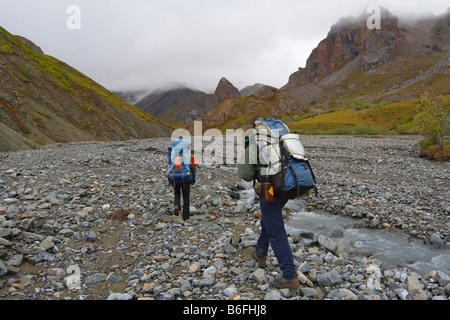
(393, 249)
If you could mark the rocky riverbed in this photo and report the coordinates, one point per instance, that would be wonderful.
(90, 221)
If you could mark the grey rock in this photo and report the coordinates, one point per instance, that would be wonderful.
(5, 232)
(66, 233)
(228, 248)
(447, 289)
(329, 279)
(259, 275)
(56, 273)
(3, 269)
(436, 241)
(186, 249)
(230, 292)
(328, 243)
(45, 256)
(95, 278)
(403, 294)
(120, 296)
(206, 282)
(12, 269)
(90, 236)
(240, 208)
(442, 278)
(15, 260)
(113, 277)
(342, 294)
(167, 296)
(47, 243)
(273, 295)
(308, 292)
(441, 298)
(27, 280)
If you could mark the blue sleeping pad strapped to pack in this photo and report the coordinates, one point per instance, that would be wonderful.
(178, 175)
(276, 125)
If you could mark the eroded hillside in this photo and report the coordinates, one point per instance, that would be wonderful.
(45, 101)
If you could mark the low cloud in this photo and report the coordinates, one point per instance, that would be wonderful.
(139, 44)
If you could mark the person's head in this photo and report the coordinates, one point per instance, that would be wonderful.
(180, 137)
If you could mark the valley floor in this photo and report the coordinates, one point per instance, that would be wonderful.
(61, 210)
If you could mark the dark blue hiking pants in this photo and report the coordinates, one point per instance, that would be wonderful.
(183, 189)
(274, 233)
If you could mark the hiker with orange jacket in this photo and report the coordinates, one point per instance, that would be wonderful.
(184, 167)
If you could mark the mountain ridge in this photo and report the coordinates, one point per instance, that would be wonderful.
(181, 105)
(353, 67)
(45, 101)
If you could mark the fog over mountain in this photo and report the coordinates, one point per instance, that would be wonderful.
(135, 45)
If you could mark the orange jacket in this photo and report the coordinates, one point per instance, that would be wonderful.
(194, 161)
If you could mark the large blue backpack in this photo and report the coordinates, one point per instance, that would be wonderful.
(180, 149)
(283, 159)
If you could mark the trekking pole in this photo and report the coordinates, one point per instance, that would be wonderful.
(157, 185)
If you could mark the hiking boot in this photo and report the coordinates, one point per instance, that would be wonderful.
(176, 211)
(261, 261)
(283, 283)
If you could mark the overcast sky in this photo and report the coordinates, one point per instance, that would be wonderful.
(137, 44)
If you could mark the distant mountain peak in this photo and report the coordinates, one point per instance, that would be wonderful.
(181, 104)
(226, 90)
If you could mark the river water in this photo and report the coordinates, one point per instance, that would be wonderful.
(393, 249)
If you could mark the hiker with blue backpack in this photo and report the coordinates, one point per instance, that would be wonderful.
(274, 159)
(181, 174)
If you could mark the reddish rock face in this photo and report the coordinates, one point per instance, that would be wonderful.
(225, 90)
(348, 40)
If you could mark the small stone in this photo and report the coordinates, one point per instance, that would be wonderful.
(402, 294)
(47, 243)
(148, 287)
(90, 236)
(273, 295)
(113, 277)
(15, 260)
(436, 241)
(120, 296)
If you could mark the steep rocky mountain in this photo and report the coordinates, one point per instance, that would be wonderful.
(182, 105)
(268, 102)
(356, 68)
(377, 62)
(350, 41)
(45, 101)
